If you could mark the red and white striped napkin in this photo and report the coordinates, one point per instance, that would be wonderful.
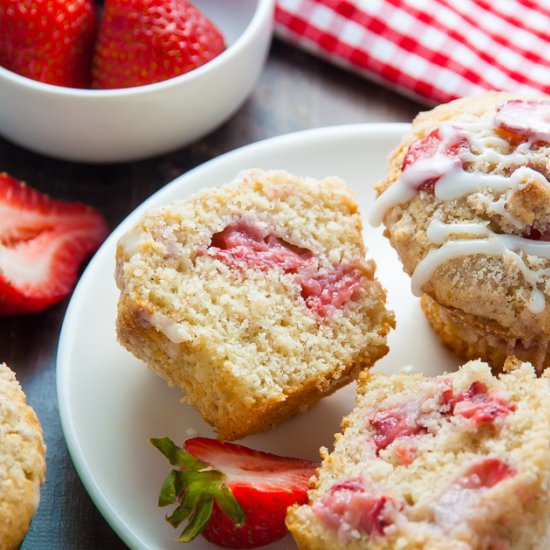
(432, 50)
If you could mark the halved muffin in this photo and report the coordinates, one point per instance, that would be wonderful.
(459, 461)
(255, 298)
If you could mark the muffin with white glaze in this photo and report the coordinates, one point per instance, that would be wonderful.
(466, 204)
(255, 298)
(22, 461)
(460, 461)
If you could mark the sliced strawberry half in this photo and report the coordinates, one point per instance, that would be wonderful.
(235, 496)
(42, 245)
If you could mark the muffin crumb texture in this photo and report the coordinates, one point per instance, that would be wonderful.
(255, 297)
(459, 461)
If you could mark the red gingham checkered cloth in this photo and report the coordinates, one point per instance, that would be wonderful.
(432, 50)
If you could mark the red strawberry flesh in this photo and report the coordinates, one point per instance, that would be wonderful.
(486, 473)
(458, 502)
(246, 244)
(537, 235)
(422, 149)
(265, 517)
(42, 244)
(333, 289)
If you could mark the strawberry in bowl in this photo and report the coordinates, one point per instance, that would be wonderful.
(138, 42)
(146, 41)
(49, 41)
(168, 104)
(234, 496)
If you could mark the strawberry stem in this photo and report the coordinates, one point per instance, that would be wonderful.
(176, 455)
(199, 518)
(181, 513)
(168, 492)
(196, 486)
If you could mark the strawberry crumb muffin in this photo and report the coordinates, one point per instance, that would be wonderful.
(466, 204)
(457, 462)
(22, 461)
(255, 298)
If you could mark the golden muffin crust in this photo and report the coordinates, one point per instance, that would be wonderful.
(473, 337)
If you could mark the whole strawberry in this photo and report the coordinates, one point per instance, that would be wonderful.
(42, 244)
(48, 40)
(145, 41)
(235, 496)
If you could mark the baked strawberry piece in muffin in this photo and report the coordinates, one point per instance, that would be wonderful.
(459, 461)
(255, 298)
(466, 204)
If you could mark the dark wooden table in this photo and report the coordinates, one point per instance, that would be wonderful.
(295, 92)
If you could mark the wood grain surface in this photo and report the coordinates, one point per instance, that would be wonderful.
(295, 92)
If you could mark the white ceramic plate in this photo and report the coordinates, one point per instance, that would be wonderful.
(110, 404)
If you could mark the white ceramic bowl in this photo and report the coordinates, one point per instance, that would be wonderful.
(134, 123)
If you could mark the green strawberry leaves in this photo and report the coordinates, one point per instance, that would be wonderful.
(176, 455)
(168, 492)
(197, 486)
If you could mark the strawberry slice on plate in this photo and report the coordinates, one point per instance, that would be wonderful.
(146, 41)
(42, 244)
(48, 40)
(235, 496)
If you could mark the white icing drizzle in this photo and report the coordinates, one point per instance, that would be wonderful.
(459, 183)
(522, 118)
(454, 182)
(485, 154)
(494, 244)
(477, 125)
(406, 187)
(499, 207)
(175, 332)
